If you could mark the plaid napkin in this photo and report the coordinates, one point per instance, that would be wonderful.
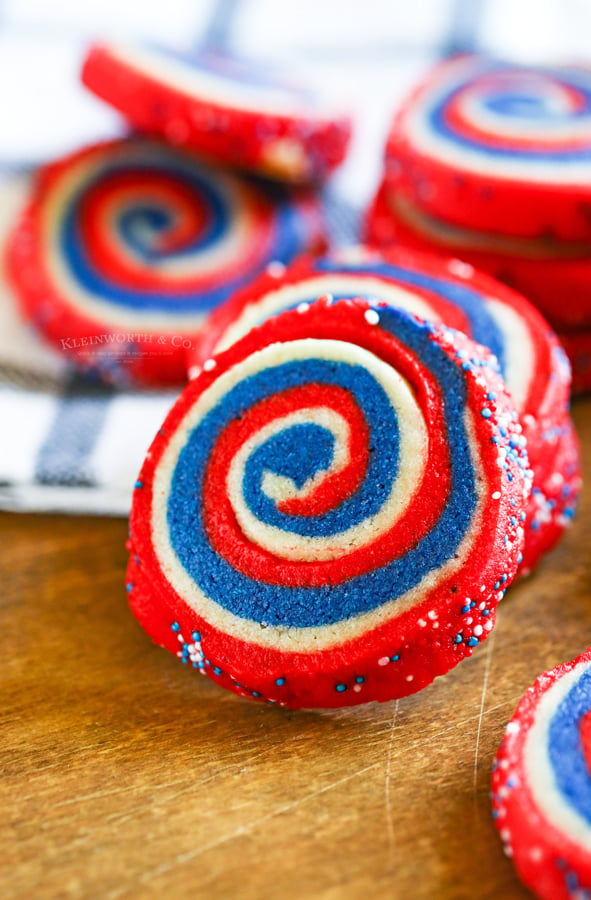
(69, 445)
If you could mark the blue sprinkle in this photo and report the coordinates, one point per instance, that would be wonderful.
(491, 396)
(466, 366)
(184, 659)
(138, 484)
(495, 814)
(486, 612)
(217, 671)
(485, 413)
(503, 578)
(458, 638)
(520, 558)
(496, 585)
(128, 587)
(175, 626)
(256, 694)
(513, 521)
(466, 608)
(395, 658)
(494, 439)
(196, 637)
(473, 604)
(340, 688)
(280, 682)
(473, 641)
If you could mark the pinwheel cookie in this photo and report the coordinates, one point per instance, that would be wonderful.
(541, 786)
(125, 249)
(332, 510)
(232, 111)
(497, 147)
(449, 292)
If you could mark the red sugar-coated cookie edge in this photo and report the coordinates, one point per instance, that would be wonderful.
(309, 680)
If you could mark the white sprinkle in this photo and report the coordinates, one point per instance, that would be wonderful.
(504, 764)
(384, 661)
(536, 854)
(482, 605)
(303, 307)
(194, 371)
(209, 364)
(372, 317)
(488, 625)
(409, 677)
(327, 298)
(478, 630)
(432, 614)
(462, 269)
(482, 588)
(356, 688)
(469, 620)
(422, 623)
(512, 728)
(180, 638)
(496, 495)
(275, 269)
(505, 835)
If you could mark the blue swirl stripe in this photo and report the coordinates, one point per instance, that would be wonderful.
(483, 327)
(315, 606)
(286, 236)
(518, 103)
(565, 748)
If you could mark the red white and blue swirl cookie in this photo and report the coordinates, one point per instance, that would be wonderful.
(125, 249)
(497, 146)
(231, 111)
(554, 275)
(331, 511)
(541, 783)
(531, 359)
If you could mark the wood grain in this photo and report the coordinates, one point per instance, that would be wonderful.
(127, 775)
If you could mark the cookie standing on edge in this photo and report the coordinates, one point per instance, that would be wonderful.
(331, 511)
(126, 248)
(541, 783)
(226, 109)
(450, 292)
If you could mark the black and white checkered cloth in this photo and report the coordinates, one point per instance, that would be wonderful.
(71, 446)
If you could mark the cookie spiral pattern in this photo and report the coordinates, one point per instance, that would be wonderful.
(135, 235)
(542, 783)
(531, 359)
(313, 493)
(510, 121)
(498, 147)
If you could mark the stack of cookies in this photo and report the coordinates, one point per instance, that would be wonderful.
(492, 163)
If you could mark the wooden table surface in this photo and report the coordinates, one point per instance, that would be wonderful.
(127, 775)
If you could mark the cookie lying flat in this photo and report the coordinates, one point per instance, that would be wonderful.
(331, 511)
(531, 359)
(125, 249)
(542, 787)
(224, 108)
(500, 147)
(554, 275)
